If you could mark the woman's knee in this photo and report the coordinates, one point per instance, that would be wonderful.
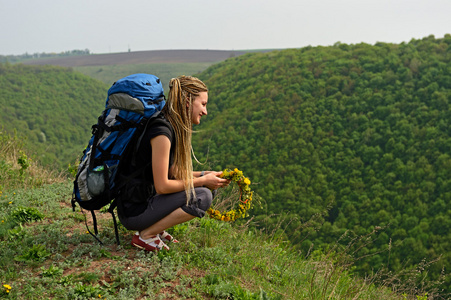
(204, 197)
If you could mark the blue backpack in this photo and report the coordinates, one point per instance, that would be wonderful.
(132, 101)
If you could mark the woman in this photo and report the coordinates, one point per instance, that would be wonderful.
(169, 192)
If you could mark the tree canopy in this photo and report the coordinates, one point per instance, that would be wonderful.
(52, 107)
(360, 131)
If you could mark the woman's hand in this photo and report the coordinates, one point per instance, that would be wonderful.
(213, 181)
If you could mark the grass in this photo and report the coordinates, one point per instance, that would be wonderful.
(17, 169)
(46, 253)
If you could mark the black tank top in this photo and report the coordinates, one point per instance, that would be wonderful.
(132, 199)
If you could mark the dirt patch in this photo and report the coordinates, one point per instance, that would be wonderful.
(139, 57)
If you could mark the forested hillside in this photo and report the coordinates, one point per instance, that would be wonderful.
(53, 107)
(350, 137)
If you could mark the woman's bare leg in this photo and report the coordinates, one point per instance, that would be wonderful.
(178, 216)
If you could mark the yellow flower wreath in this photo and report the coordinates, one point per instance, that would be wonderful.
(244, 203)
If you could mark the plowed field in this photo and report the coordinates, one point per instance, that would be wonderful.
(139, 57)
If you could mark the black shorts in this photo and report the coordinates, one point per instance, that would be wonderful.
(159, 206)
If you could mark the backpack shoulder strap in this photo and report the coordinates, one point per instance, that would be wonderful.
(151, 121)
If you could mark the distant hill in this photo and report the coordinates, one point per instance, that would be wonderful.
(166, 64)
(139, 57)
(165, 71)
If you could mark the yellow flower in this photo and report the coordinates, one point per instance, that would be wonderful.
(239, 211)
(10, 202)
(225, 174)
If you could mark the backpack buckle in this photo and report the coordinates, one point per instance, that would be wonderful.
(94, 129)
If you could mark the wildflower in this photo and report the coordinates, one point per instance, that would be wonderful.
(225, 174)
(239, 211)
(10, 202)
(7, 288)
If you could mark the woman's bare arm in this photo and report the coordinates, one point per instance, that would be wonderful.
(161, 147)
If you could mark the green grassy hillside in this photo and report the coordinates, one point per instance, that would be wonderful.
(350, 138)
(52, 107)
(46, 253)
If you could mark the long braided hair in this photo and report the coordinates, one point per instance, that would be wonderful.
(178, 111)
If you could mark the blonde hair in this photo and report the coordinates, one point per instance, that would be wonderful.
(182, 91)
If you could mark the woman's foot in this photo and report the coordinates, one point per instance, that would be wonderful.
(167, 238)
(153, 243)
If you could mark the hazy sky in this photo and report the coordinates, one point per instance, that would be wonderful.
(104, 26)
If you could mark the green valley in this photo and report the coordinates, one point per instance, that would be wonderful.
(350, 138)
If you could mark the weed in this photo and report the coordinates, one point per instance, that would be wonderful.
(73, 169)
(37, 253)
(81, 291)
(88, 277)
(66, 280)
(23, 161)
(6, 289)
(23, 215)
(51, 271)
(220, 289)
(17, 233)
(105, 253)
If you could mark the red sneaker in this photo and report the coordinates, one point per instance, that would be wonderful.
(154, 244)
(167, 238)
